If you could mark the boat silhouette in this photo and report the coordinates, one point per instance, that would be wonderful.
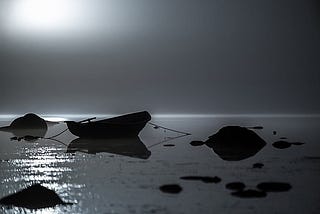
(128, 125)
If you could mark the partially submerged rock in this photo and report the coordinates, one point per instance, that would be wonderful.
(28, 125)
(29, 121)
(274, 186)
(234, 143)
(168, 145)
(250, 193)
(171, 188)
(257, 165)
(281, 144)
(205, 179)
(33, 197)
(197, 143)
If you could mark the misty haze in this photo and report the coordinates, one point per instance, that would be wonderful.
(172, 106)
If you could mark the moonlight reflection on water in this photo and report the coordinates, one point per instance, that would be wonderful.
(107, 181)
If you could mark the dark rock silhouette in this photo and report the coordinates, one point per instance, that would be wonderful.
(171, 188)
(257, 165)
(250, 193)
(205, 179)
(281, 144)
(168, 145)
(33, 197)
(235, 186)
(197, 143)
(28, 121)
(274, 186)
(132, 147)
(234, 143)
(28, 125)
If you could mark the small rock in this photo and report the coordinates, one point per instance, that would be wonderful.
(258, 165)
(274, 186)
(250, 193)
(205, 179)
(168, 145)
(281, 144)
(196, 143)
(171, 188)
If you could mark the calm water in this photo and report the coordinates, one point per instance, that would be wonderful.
(120, 178)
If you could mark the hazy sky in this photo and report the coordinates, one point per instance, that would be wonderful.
(168, 56)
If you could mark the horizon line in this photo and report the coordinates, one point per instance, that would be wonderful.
(66, 116)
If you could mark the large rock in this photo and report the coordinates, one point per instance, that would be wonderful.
(29, 121)
(33, 197)
(30, 124)
(234, 143)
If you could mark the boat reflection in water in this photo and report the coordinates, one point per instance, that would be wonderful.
(131, 147)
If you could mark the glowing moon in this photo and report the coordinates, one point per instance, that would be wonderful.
(43, 16)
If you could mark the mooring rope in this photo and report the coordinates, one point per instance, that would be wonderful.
(167, 140)
(165, 128)
(60, 133)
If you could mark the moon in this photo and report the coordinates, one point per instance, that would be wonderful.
(43, 16)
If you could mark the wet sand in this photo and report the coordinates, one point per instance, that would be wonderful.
(121, 178)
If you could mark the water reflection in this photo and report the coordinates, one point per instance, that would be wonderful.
(132, 147)
(42, 164)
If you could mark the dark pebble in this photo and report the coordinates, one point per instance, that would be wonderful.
(205, 179)
(281, 144)
(196, 143)
(171, 188)
(274, 186)
(235, 186)
(258, 165)
(274, 132)
(168, 145)
(250, 193)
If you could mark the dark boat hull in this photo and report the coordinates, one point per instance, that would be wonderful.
(128, 125)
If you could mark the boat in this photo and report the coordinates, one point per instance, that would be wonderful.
(128, 125)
